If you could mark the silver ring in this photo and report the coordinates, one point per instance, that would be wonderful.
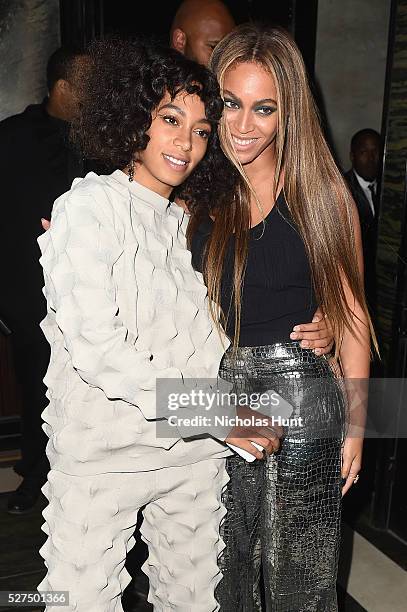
(356, 479)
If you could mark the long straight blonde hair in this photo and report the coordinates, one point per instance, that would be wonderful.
(317, 197)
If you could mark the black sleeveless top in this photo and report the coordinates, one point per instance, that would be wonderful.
(277, 290)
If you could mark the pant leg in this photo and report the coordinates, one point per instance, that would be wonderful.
(181, 528)
(240, 562)
(90, 521)
(31, 357)
(300, 530)
(301, 517)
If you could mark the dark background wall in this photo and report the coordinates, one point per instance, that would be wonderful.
(29, 33)
(82, 19)
(350, 66)
(157, 18)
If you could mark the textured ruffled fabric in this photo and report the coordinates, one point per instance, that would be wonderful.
(90, 521)
(124, 308)
(181, 529)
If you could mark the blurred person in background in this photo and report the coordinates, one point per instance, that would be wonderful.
(36, 166)
(198, 26)
(362, 179)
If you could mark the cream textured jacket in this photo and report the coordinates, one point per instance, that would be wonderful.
(124, 307)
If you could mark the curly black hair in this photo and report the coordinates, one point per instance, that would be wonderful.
(124, 83)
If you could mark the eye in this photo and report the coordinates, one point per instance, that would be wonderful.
(170, 119)
(230, 104)
(203, 133)
(265, 110)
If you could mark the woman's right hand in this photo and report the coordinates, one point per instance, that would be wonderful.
(268, 436)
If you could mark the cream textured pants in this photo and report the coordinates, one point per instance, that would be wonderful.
(90, 522)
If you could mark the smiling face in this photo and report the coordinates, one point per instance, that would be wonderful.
(179, 135)
(250, 98)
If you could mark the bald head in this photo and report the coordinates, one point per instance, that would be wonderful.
(198, 26)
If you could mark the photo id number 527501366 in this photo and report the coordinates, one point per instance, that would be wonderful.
(21, 599)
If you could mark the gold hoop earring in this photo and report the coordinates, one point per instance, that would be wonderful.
(131, 171)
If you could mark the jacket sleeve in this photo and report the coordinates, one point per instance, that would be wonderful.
(78, 256)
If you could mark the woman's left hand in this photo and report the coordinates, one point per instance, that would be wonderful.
(317, 335)
(351, 461)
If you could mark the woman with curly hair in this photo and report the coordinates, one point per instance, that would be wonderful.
(287, 240)
(125, 307)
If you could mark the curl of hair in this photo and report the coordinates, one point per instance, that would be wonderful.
(124, 83)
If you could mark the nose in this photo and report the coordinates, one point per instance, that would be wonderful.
(243, 121)
(183, 140)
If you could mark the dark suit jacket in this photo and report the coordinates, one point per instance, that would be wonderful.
(36, 166)
(368, 226)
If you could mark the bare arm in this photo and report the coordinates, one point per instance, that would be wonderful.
(355, 360)
(355, 347)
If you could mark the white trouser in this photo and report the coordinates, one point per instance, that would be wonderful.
(90, 521)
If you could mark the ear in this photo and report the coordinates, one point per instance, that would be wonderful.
(61, 86)
(179, 40)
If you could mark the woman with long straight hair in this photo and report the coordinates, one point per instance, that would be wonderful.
(287, 240)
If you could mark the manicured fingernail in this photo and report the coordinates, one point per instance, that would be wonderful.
(316, 320)
(305, 344)
(317, 351)
(297, 328)
(293, 336)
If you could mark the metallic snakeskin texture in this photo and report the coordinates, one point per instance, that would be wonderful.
(282, 528)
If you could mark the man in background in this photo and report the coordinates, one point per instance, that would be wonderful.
(198, 26)
(362, 178)
(36, 166)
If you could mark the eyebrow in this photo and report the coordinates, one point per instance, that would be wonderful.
(180, 111)
(263, 101)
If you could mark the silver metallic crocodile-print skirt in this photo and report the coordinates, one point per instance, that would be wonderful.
(282, 528)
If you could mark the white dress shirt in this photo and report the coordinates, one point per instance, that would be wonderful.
(365, 186)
